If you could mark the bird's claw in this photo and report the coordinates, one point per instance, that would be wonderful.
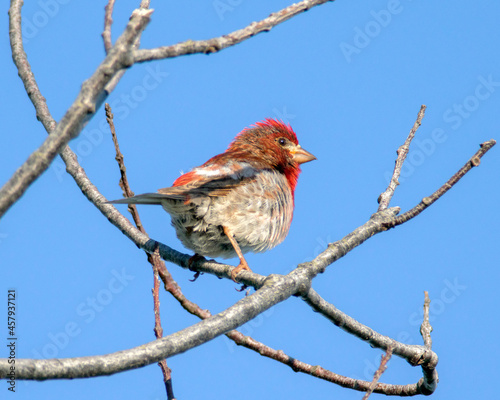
(238, 269)
(196, 276)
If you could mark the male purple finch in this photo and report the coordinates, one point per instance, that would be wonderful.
(239, 201)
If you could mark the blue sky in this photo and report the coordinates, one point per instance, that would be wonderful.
(350, 78)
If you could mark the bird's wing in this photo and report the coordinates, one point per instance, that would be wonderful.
(211, 179)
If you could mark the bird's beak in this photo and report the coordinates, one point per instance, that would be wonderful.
(301, 156)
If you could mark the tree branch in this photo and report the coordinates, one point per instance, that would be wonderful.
(385, 198)
(278, 355)
(217, 44)
(87, 102)
(474, 161)
(414, 354)
(274, 291)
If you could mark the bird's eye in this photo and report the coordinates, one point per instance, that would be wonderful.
(281, 141)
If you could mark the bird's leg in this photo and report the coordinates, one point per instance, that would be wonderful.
(243, 263)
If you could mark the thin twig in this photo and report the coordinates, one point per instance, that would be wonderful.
(158, 330)
(108, 21)
(385, 198)
(153, 258)
(426, 328)
(127, 192)
(166, 371)
(431, 378)
(474, 161)
(378, 373)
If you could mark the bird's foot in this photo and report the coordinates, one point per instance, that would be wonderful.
(243, 266)
(194, 259)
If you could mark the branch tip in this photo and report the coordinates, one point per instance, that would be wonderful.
(402, 152)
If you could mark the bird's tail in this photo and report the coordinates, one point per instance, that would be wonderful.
(146, 198)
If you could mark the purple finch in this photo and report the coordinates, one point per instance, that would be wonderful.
(238, 201)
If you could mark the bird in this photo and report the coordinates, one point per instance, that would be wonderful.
(238, 201)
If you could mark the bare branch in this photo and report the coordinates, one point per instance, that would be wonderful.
(216, 44)
(275, 290)
(374, 225)
(87, 102)
(414, 354)
(385, 198)
(320, 372)
(24, 69)
(474, 161)
(298, 366)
